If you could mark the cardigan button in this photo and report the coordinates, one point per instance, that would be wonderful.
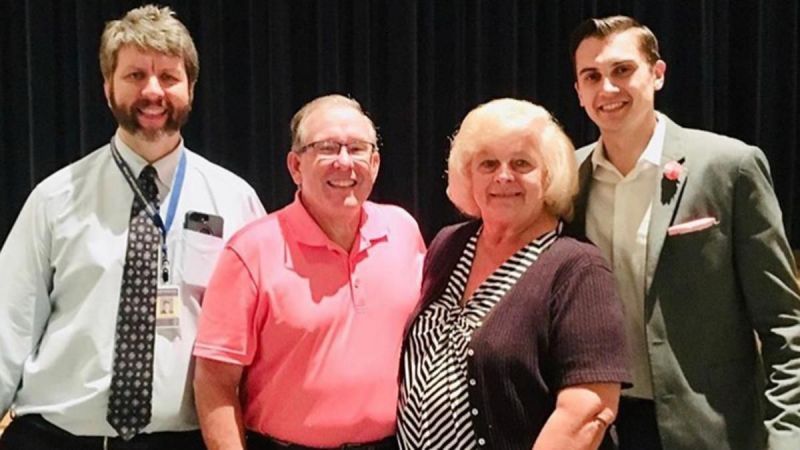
(474, 411)
(470, 352)
(481, 442)
(472, 382)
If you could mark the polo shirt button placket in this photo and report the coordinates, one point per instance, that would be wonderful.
(355, 282)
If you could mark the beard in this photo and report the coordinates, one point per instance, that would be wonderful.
(127, 117)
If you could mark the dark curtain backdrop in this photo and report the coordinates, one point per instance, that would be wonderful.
(417, 67)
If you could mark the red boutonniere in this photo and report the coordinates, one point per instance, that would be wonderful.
(673, 170)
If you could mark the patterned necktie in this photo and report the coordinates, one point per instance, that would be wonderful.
(131, 382)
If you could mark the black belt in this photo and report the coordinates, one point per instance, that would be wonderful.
(35, 423)
(256, 441)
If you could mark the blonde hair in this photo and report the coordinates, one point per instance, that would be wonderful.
(532, 123)
(297, 124)
(148, 28)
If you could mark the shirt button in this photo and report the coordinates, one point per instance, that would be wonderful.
(474, 411)
(481, 441)
(472, 382)
(470, 352)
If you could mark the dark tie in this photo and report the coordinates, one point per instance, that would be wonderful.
(132, 375)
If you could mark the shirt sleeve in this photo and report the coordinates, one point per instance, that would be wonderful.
(227, 331)
(764, 267)
(26, 280)
(587, 337)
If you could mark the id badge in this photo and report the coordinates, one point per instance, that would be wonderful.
(168, 307)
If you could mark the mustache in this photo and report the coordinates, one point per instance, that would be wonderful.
(143, 103)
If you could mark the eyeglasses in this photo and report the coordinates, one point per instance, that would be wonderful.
(330, 149)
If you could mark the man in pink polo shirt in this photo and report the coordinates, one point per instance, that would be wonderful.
(299, 338)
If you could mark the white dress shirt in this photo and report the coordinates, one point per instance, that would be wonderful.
(61, 274)
(617, 221)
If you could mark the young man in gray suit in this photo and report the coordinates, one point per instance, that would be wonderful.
(692, 228)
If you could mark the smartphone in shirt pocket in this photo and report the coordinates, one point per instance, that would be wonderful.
(202, 244)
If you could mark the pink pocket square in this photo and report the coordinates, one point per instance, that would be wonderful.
(692, 226)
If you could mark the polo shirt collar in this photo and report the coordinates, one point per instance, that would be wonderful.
(306, 230)
(373, 227)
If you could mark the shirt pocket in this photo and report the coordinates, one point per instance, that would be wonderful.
(199, 257)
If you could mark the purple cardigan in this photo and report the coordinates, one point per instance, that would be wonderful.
(560, 325)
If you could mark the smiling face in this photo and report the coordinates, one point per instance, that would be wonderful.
(509, 181)
(149, 94)
(333, 188)
(615, 83)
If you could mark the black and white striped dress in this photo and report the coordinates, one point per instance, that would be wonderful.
(434, 411)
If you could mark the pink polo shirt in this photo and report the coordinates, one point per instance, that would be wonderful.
(318, 330)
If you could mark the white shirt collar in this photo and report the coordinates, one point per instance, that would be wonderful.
(651, 154)
(165, 167)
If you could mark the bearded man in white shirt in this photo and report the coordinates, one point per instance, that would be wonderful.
(105, 268)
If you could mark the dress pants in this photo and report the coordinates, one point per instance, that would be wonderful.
(636, 425)
(32, 432)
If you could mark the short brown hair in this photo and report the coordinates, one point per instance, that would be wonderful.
(153, 28)
(504, 117)
(602, 28)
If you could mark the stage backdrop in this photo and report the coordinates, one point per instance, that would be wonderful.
(416, 66)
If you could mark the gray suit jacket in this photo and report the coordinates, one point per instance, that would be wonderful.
(708, 291)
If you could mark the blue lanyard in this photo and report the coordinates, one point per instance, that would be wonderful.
(152, 211)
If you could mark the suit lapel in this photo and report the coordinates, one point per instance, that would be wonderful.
(668, 195)
(577, 227)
